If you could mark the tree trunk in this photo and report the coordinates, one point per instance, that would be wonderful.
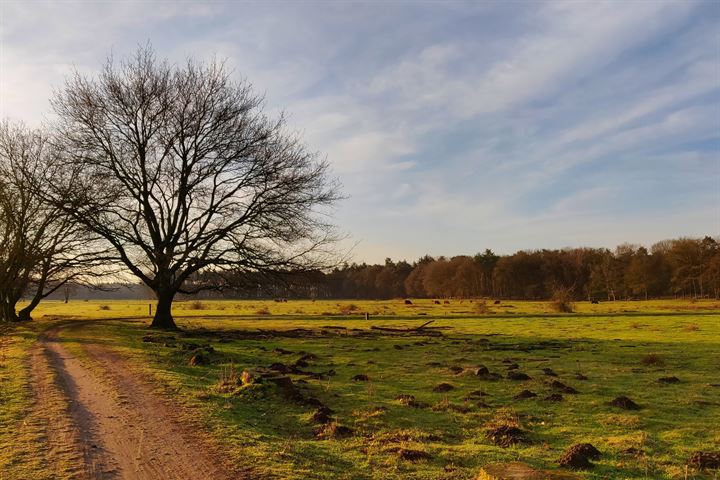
(7, 311)
(163, 319)
(24, 314)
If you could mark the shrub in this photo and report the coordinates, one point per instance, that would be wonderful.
(562, 301)
(347, 309)
(692, 327)
(104, 307)
(263, 311)
(196, 305)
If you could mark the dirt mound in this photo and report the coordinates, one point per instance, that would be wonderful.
(520, 376)
(549, 372)
(555, 397)
(411, 455)
(361, 377)
(580, 376)
(456, 369)
(287, 388)
(308, 357)
(513, 366)
(506, 435)
(578, 456)
(668, 380)
(704, 460)
(198, 359)
(443, 387)
(405, 399)
(476, 394)
(624, 403)
(313, 402)
(525, 394)
(561, 387)
(332, 430)
(280, 368)
(483, 373)
(322, 415)
(166, 340)
(409, 400)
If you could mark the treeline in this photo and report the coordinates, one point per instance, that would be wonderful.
(684, 267)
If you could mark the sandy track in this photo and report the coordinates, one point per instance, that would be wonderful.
(116, 426)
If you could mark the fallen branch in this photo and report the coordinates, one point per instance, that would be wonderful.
(402, 330)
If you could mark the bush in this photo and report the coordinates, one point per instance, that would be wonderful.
(562, 301)
(347, 309)
(196, 305)
(263, 311)
(104, 307)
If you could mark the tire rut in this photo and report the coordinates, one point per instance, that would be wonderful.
(116, 424)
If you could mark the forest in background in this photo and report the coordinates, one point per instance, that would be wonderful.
(683, 267)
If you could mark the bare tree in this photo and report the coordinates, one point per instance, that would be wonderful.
(41, 247)
(182, 172)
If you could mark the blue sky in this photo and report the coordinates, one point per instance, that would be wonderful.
(453, 126)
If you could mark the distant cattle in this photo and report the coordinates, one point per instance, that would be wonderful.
(408, 302)
(594, 302)
(447, 302)
(496, 302)
(437, 302)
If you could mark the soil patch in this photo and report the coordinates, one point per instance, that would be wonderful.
(704, 460)
(561, 387)
(525, 394)
(506, 435)
(624, 403)
(333, 431)
(578, 456)
(443, 387)
(519, 376)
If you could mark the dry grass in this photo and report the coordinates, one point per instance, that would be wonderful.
(229, 379)
(653, 359)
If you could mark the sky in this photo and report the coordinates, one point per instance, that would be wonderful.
(452, 126)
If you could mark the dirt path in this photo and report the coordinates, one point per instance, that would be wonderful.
(115, 426)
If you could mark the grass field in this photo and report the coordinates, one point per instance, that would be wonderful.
(622, 348)
(397, 307)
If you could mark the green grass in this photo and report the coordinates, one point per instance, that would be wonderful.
(383, 308)
(255, 425)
